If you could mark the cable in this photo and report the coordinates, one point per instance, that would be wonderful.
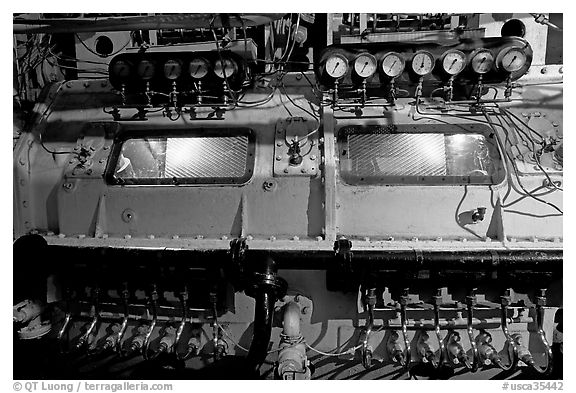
(230, 338)
(350, 351)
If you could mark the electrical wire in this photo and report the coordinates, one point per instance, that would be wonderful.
(350, 351)
(230, 338)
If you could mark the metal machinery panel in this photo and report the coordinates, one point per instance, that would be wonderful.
(219, 210)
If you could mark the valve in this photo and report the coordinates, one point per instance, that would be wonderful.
(456, 353)
(424, 349)
(168, 340)
(394, 348)
(487, 353)
(138, 341)
(478, 214)
(28, 313)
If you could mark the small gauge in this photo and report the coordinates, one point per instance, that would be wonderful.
(511, 59)
(225, 68)
(198, 68)
(453, 62)
(392, 64)
(146, 69)
(120, 69)
(422, 63)
(482, 60)
(336, 66)
(172, 69)
(365, 65)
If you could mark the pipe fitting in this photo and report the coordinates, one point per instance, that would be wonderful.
(137, 342)
(366, 349)
(456, 353)
(292, 360)
(425, 351)
(394, 348)
(28, 313)
(487, 353)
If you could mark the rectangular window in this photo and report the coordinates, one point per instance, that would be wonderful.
(198, 156)
(424, 154)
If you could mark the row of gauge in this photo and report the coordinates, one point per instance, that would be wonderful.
(128, 68)
(481, 61)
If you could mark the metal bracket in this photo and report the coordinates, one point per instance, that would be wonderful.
(296, 150)
(343, 251)
(238, 248)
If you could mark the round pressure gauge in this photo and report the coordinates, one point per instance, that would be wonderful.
(365, 65)
(482, 60)
(453, 62)
(120, 69)
(511, 59)
(172, 69)
(336, 66)
(146, 69)
(392, 64)
(422, 63)
(198, 68)
(225, 68)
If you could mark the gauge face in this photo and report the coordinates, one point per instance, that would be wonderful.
(146, 69)
(336, 66)
(198, 68)
(392, 64)
(453, 62)
(121, 69)
(482, 61)
(422, 63)
(511, 59)
(172, 69)
(225, 68)
(365, 65)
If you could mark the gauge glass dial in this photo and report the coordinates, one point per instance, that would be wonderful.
(511, 59)
(482, 61)
(172, 69)
(453, 62)
(121, 69)
(365, 65)
(336, 66)
(146, 69)
(225, 68)
(198, 68)
(422, 63)
(392, 64)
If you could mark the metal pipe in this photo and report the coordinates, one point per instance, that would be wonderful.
(184, 300)
(366, 349)
(437, 301)
(146, 344)
(292, 360)
(505, 301)
(83, 340)
(540, 303)
(404, 328)
(470, 302)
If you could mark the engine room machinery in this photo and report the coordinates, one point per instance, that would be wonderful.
(288, 196)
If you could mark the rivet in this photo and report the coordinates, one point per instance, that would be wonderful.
(555, 124)
(513, 240)
(305, 310)
(249, 237)
(61, 235)
(464, 240)
(319, 238)
(414, 239)
(312, 157)
(534, 239)
(102, 161)
(556, 239)
(150, 237)
(295, 238)
(524, 114)
(175, 237)
(537, 114)
(106, 147)
(279, 144)
(298, 77)
(81, 236)
(543, 70)
(199, 237)
(561, 70)
(127, 237)
(71, 162)
(285, 170)
(488, 239)
(25, 203)
(391, 239)
(49, 233)
(278, 158)
(439, 239)
(224, 237)
(86, 84)
(104, 236)
(272, 238)
(303, 170)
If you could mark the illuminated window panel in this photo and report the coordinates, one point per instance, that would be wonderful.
(376, 155)
(185, 159)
